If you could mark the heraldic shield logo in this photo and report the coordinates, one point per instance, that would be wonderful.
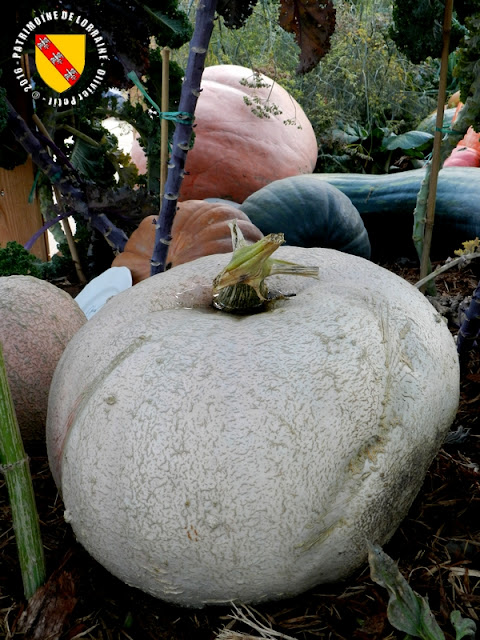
(60, 59)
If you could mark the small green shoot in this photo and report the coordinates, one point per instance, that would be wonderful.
(464, 627)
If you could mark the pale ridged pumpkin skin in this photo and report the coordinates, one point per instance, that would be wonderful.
(37, 321)
(207, 457)
(200, 228)
(235, 152)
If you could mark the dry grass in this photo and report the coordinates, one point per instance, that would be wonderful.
(437, 548)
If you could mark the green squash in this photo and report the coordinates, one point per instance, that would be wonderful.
(386, 204)
(310, 213)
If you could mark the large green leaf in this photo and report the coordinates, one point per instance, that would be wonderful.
(170, 19)
(408, 140)
(93, 162)
(406, 610)
(350, 134)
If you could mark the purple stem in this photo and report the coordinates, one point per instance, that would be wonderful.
(469, 330)
(29, 244)
(183, 131)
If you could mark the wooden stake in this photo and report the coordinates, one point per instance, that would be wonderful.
(165, 53)
(437, 141)
(65, 223)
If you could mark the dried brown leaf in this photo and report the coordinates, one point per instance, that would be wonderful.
(48, 611)
(312, 23)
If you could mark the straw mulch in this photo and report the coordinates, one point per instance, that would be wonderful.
(437, 549)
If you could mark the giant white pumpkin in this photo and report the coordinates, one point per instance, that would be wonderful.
(206, 457)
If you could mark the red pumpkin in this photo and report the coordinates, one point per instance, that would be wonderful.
(235, 151)
(463, 156)
(471, 140)
(199, 229)
(467, 151)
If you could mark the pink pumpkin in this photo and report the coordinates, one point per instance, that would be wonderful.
(235, 151)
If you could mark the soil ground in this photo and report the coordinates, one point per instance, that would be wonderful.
(437, 549)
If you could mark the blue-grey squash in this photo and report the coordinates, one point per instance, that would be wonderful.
(310, 213)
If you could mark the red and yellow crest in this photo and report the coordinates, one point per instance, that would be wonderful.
(60, 59)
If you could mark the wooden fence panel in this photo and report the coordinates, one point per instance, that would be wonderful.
(19, 218)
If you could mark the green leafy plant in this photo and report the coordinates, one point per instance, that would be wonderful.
(407, 611)
(381, 148)
(413, 142)
(417, 27)
(466, 71)
(15, 260)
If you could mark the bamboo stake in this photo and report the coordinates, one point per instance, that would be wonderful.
(437, 141)
(65, 223)
(419, 214)
(165, 53)
(15, 467)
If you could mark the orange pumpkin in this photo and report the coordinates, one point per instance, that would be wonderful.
(453, 100)
(235, 151)
(200, 228)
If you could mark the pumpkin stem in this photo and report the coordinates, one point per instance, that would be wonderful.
(241, 287)
(238, 239)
